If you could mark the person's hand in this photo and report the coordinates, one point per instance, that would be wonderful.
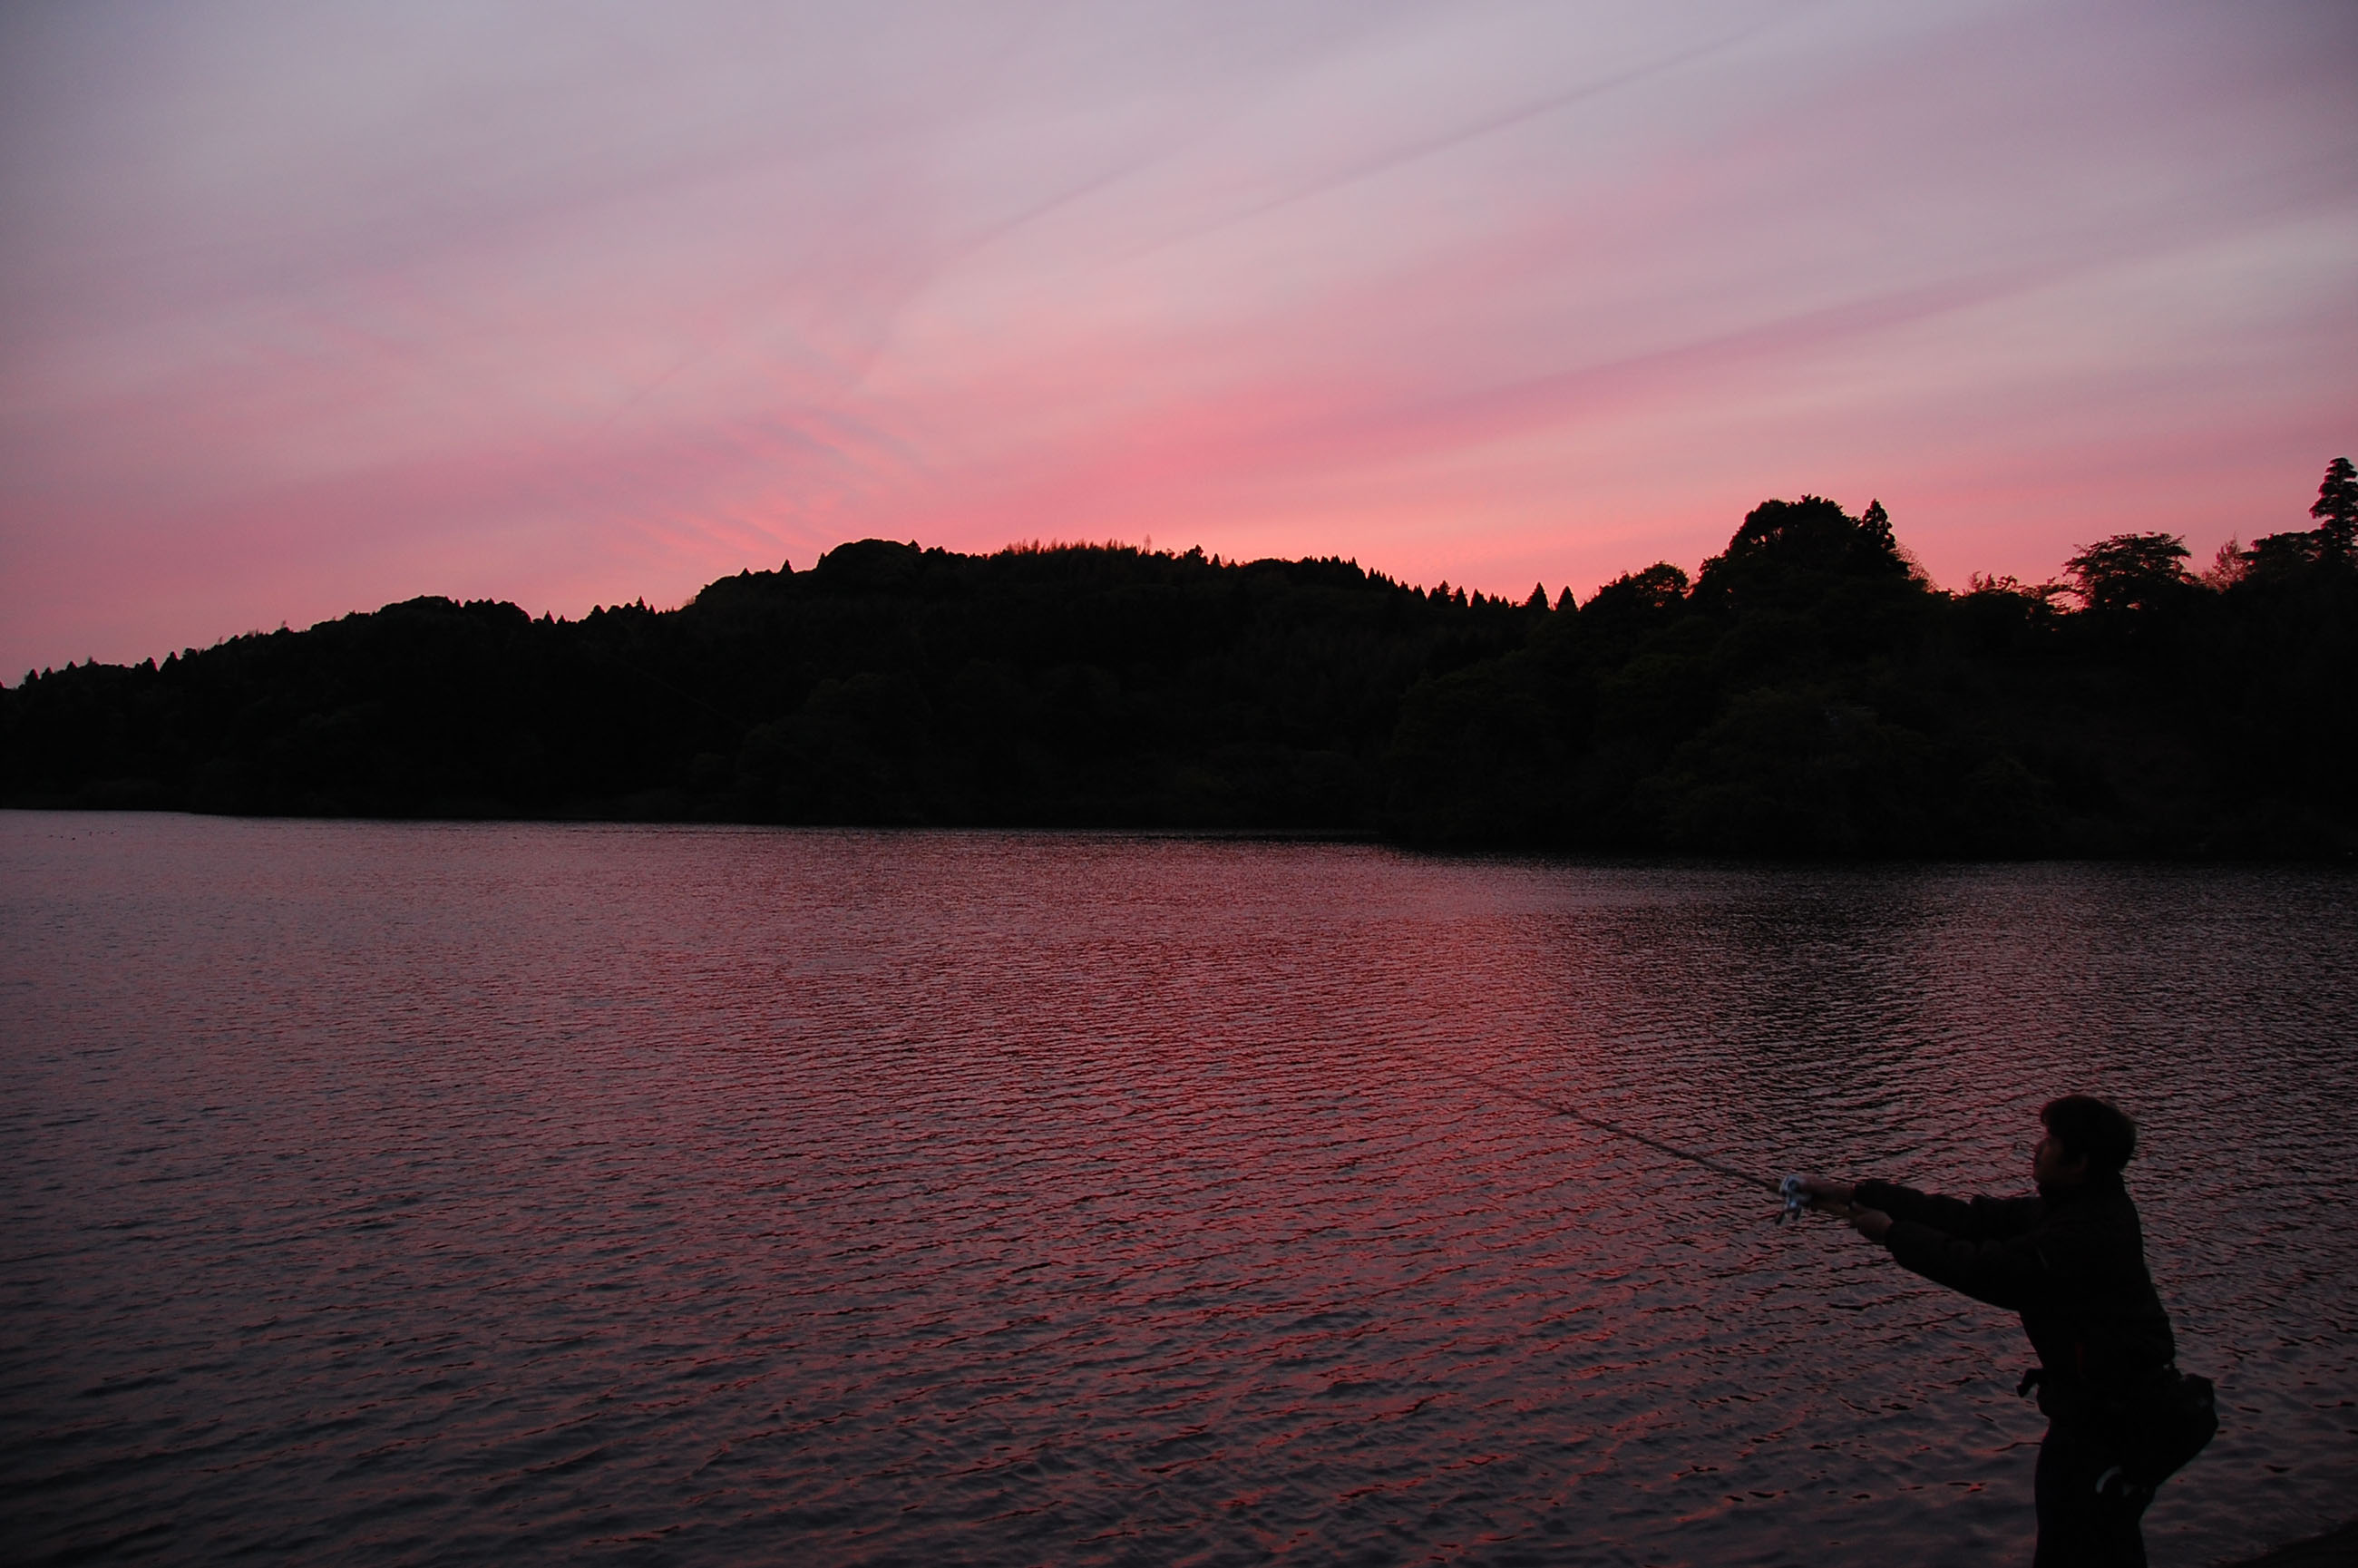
(1825, 1195)
(1871, 1222)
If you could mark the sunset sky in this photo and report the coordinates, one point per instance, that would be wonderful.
(306, 308)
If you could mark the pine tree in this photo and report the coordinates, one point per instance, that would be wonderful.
(1876, 523)
(2337, 509)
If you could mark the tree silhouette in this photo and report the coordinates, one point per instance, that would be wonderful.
(1806, 693)
(1875, 525)
(2336, 510)
(2129, 571)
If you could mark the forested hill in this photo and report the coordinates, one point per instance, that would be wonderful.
(1806, 694)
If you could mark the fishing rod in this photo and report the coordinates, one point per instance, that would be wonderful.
(1788, 1189)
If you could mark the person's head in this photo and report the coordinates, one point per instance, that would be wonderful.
(2085, 1137)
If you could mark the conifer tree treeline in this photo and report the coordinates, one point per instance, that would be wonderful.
(1807, 693)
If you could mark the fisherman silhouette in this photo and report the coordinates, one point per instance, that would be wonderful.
(2071, 1261)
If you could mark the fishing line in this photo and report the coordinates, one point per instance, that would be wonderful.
(1788, 1189)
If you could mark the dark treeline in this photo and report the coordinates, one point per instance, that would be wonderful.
(1807, 693)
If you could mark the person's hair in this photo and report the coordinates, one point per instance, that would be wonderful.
(2091, 1129)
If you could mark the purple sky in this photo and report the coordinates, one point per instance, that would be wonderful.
(308, 308)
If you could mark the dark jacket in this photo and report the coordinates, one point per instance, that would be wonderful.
(2071, 1261)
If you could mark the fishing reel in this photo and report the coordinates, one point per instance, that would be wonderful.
(1796, 1200)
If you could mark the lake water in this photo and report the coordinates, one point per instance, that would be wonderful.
(401, 1194)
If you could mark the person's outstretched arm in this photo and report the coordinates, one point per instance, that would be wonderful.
(1985, 1255)
(2005, 1272)
(1974, 1219)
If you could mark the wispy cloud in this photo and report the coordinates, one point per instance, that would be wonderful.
(303, 308)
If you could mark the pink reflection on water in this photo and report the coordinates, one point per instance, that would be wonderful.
(463, 1192)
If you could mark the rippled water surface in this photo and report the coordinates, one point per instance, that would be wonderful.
(451, 1192)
